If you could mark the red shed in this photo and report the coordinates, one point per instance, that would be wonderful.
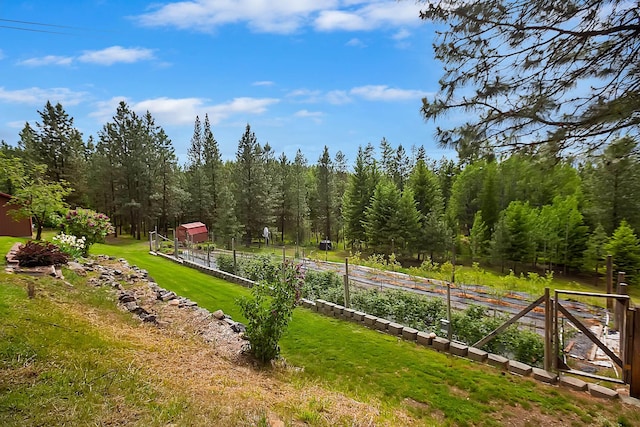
(9, 226)
(196, 231)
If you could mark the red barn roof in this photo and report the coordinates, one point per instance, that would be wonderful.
(196, 231)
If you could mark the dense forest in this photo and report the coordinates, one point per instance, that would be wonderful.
(518, 210)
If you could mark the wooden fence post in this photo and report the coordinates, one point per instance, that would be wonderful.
(347, 297)
(548, 331)
(175, 246)
(609, 282)
(634, 384)
(628, 355)
(617, 310)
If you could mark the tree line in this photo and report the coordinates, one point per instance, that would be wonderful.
(528, 208)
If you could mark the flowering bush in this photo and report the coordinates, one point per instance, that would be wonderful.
(70, 244)
(91, 225)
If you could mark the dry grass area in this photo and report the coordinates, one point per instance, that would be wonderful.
(202, 360)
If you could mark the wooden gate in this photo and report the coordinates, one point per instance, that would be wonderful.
(627, 321)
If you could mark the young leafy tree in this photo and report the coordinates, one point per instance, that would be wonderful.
(34, 194)
(536, 72)
(624, 247)
(269, 311)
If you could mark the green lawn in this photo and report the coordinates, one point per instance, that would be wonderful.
(352, 359)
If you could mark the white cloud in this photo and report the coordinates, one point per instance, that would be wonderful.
(369, 15)
(47, 60)
(115, 54)
(263, 83)
(385, 93)
(1, 54)
(264, 16)
(282, 16)
(183, 111)
(219, 112)
(401, 35)
(355, 42)
(307, 113)
(313, 115)
(39, 96)
(338, 97)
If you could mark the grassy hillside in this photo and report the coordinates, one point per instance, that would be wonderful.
(69, 356)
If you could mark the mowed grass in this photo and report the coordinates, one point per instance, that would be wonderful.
(369, 365)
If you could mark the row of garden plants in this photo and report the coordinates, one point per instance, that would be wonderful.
(413, 310)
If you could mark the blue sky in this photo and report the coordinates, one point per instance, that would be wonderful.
(303, 73)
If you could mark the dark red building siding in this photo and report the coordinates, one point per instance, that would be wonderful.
(9, 226)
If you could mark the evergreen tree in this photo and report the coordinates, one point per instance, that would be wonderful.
(324, 185)
(624, 247)
(196, 178)
(357, 196)
(300, 205)
(478, 237)
(58, 145)
(252, 209)
(594, 254)
(612, 185)
(527, 73)
(212, 170)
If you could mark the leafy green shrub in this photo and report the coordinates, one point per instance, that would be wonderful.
(323, 285)
(35, 254)
(91, 225)
(269, 310)
(473, 324)
(261, 268)
(225, 263)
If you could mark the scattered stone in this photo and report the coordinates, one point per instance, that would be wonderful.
(149, 318)
(238, 328)
(174, 302)
(77, 268)
(131, 306)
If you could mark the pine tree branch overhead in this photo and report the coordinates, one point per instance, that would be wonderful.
(523, 73)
